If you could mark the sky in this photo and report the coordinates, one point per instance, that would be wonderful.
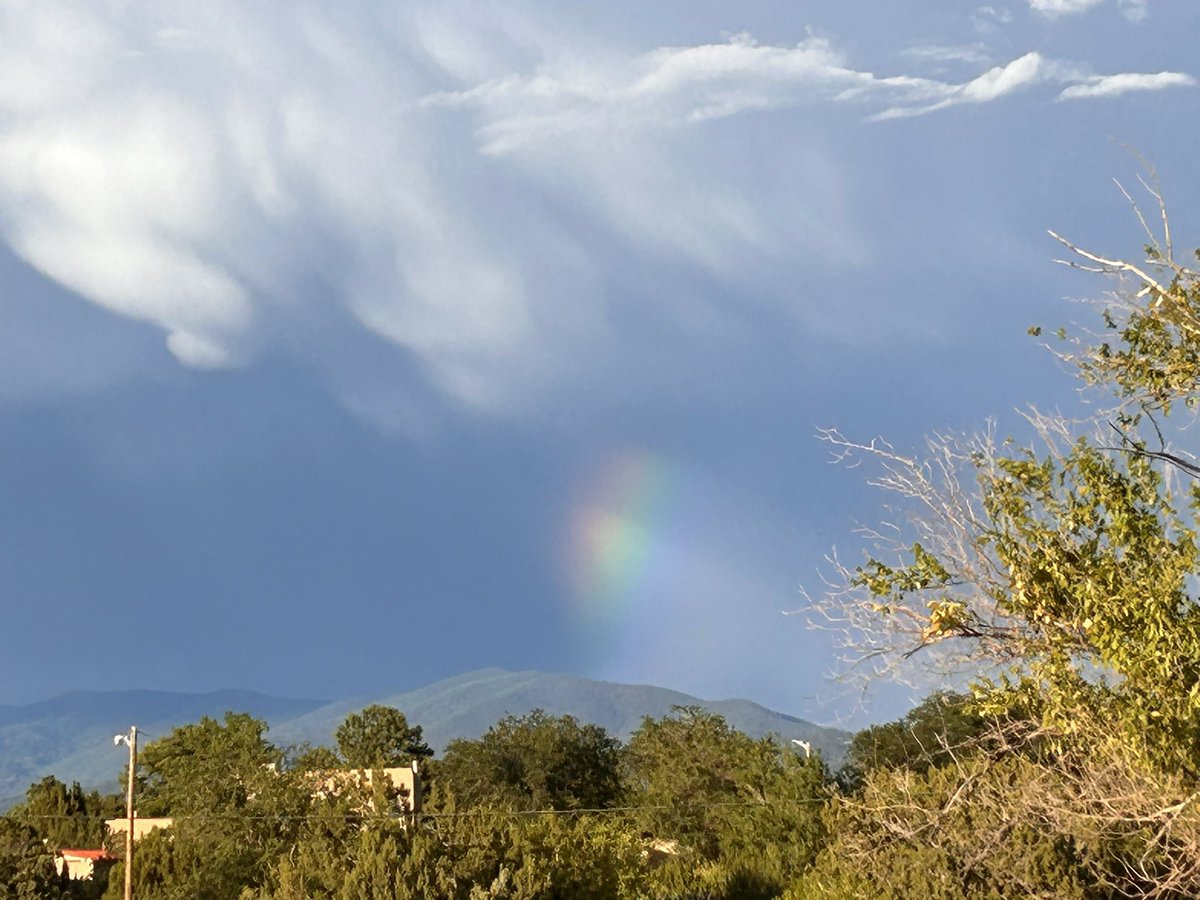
(349, 347)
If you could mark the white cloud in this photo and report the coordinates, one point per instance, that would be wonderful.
(185, 179)
(1115, 85)
(671, 86)
(1055, 8)
(993, 84)
(463, 188)
(1001, 80)
(975, 54)
(1134, 10)
(986, 19)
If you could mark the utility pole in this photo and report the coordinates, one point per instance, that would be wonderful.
(130, 741)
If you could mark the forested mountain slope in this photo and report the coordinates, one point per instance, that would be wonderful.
(71, 736)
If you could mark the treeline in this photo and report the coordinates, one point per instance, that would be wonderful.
(548, 807)
(539, 807)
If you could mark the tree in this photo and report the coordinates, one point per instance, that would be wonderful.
(957, 832)
(343, 849)
(306, 758)
(233, 813)
(743, 816)
(931, 734)
(206, 766)
(1060, 575)
(535, 761)
(380, 737)
(685, 770)
(477, 853)
(26, 866)
(66, 816)
(1066, 561)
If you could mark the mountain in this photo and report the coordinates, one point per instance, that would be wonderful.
(71, 736)
(465, 706)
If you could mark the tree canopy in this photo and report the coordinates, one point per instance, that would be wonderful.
(380, 737)
(1058, 575)
(534, 761)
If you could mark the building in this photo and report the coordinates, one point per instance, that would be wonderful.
(404, 780)
(141, 826)
(82, 865)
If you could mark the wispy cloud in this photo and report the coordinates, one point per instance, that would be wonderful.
(1054, 9)
(669, 86)
(986, 19)
(974, 54)
(1133, 10)
(1115, 85)
(678, 86)
(248, 180)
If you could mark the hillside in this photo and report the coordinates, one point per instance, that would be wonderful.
(465, 706)
(71, 736)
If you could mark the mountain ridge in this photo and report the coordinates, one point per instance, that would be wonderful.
(70, 736)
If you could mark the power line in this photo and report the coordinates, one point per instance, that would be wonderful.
(478, 812)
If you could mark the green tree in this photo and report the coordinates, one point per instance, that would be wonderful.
(480, 853)
(343, 849)
(380, 737)
(688, 771)
(233, 812)
(745, 813)
(206, 766)
(1061, 575)
(1068, 562)
(306, 758)
(933, 733)
(67, 816)
(26, 866)
(975, 830)
(535, 761)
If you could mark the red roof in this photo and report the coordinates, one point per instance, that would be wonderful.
(87, 854)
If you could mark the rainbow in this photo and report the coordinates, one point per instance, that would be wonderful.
(615, 534)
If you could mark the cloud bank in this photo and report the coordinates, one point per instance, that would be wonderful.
(460, 191)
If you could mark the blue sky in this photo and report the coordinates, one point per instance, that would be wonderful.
(350, 347)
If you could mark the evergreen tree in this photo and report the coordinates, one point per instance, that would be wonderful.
(535, 761)
(380, 737)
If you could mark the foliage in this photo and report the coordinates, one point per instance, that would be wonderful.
(1015, 818)
(26, 867)
(342, 849)
(928, 735)
(205, 767)
(266, 835)
(232, 812)
(1061, 576)
(66, 816)
(533, 762)
(948, 833)
(476, 854)
(380, 737)
(306, 758)
(689, 771)
(748, 806)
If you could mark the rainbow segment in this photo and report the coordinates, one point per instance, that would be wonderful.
(615, 534)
